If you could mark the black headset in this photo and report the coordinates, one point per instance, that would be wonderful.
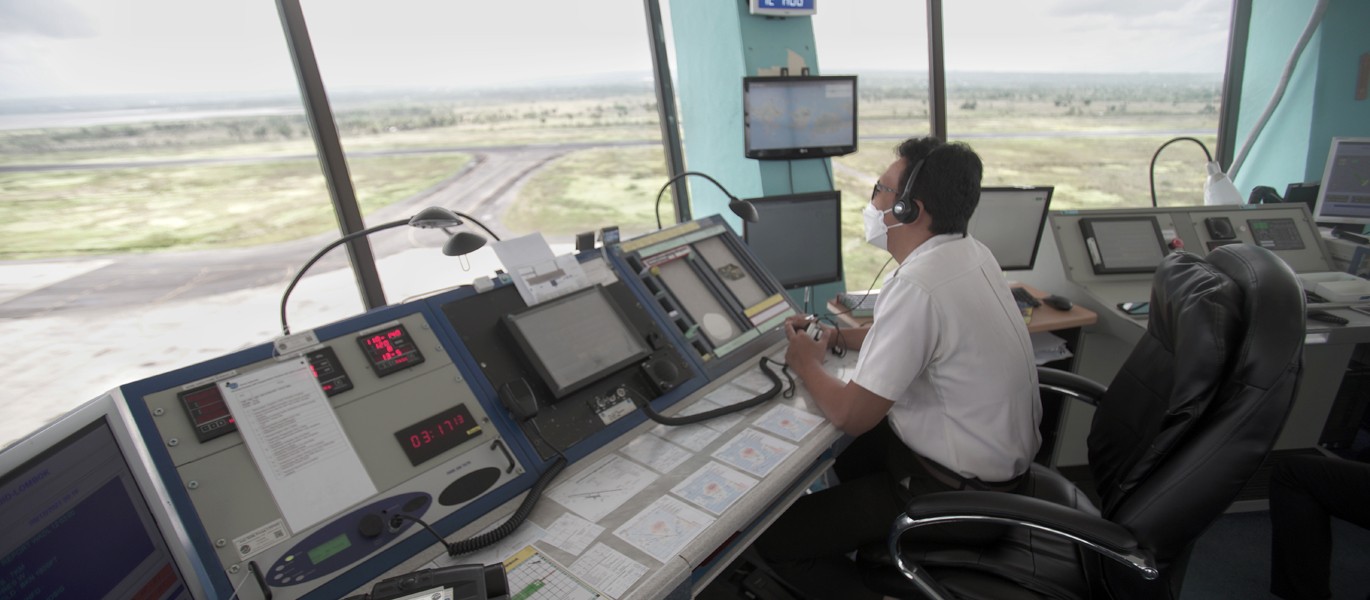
(905, 209)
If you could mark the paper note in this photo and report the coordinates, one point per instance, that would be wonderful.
(724, 396)
(755, 380)
(664, 528)
(695, 437)
(535, 576)
(571, 533)
(788, 422)
(714, 487)
(297, 442)
(602, 488)
(608, 570)
(656, 453)
(755, 452)
(537, 273)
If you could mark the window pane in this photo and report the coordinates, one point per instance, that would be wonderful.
(158, 187)
(501, 110)
(885, 44)
(1080, 94)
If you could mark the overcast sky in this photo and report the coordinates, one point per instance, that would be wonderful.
(89, 47)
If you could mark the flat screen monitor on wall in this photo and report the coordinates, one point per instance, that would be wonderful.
(1344, 197)
(1010, 221)
(798, 237)
(799, 117)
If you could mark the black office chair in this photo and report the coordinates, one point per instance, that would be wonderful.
(1186, 422)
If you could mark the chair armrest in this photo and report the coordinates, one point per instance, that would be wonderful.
(1070, 384)
(1102, 536)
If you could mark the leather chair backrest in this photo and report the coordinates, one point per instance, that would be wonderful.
(1200, 401)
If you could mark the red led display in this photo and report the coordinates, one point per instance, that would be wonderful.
(207, 411)
(437, 434)
(390, 350)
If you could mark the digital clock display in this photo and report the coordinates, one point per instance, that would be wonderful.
(437, 434)
(207, 411)
(390, 350)
(323, 363)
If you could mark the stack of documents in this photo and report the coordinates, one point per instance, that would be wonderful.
(1047, 347)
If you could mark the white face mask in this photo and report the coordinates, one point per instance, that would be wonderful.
(876, 229)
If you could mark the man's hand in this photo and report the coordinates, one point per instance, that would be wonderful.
(805, 352)
(801, 324)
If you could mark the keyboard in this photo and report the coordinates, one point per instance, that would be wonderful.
(859, 304)
(1024, 299)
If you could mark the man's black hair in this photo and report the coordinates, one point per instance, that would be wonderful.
(948, 184)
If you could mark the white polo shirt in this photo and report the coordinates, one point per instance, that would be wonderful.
(948, 346)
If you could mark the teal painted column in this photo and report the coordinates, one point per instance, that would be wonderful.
(717, 43)
(1319, 103)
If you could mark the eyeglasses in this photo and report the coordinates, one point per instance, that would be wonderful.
(880, 187)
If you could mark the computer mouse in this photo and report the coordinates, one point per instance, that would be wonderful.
(1058, 302)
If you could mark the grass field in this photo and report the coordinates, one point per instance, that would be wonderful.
(68, 213)
(589, 189)
(74, 212)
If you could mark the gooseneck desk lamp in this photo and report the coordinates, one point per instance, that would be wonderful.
(433, 217)
(741, 208)
(1218, 188)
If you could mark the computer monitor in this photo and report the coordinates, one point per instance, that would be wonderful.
(1010, 221)
(1345, 194)
(798, 237)
(799, 117)
(81, 516)
(576, 340)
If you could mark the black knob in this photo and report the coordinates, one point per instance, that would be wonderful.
(371, 526)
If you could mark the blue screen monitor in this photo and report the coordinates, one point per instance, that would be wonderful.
(798, 237)
(799, 117)
(1344, 197)
(80, 516)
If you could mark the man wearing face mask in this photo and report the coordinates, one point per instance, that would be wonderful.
(944, 395)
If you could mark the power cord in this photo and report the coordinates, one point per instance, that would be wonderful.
(776, 389)
(1152, 172)
(871, 287)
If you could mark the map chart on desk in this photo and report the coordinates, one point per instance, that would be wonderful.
(571, 533)
(720, 424)
(754, 380)
(533, 576)
(788, 422)
(602, 488)
(714, 487)
(755, 452)
(656, 453)
(694, 437)
(664, 528)
(608, 569)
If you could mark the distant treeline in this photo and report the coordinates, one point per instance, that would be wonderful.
(625, 103)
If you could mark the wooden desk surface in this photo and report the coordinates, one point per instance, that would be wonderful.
(1044, 318)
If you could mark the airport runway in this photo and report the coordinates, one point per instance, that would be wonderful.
(484, 189)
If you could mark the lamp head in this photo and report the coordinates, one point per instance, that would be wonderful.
(435, 217)
(744, 209)
(464, 242)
